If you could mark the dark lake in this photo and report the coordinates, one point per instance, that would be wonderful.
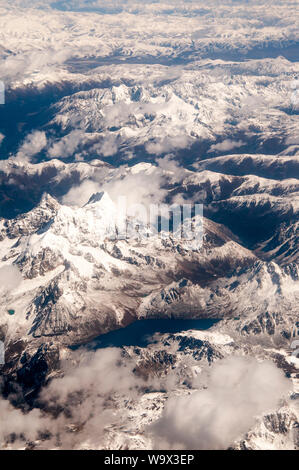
(140, 333)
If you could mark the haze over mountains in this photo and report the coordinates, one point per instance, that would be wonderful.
(163, 103)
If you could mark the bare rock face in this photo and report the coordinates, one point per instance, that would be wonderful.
(279, 429)
(30, 223)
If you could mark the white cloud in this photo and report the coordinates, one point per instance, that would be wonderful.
(168, 144)
(85, 392)
(102, 371)
(96, 385)
(226, 145)
(14, 421)
(66, 147)
(140, 185)
(169, 164)
(2, 137)
(33, 144)
(107, 147)
(292, 140)
(24, 64)
(144, 187)
(80, 194)
(10, 278)
(239, 389)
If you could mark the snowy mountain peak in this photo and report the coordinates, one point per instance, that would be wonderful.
(48, 201)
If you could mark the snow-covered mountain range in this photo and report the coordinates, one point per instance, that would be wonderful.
(77, 281)
(163, 104)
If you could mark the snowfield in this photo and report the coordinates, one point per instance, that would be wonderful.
(169, 104)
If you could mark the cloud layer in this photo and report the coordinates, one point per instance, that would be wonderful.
(238, 390)
(10, 278)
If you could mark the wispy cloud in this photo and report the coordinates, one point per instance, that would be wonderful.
(32, 145)
(10, 278)
(226, 145)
